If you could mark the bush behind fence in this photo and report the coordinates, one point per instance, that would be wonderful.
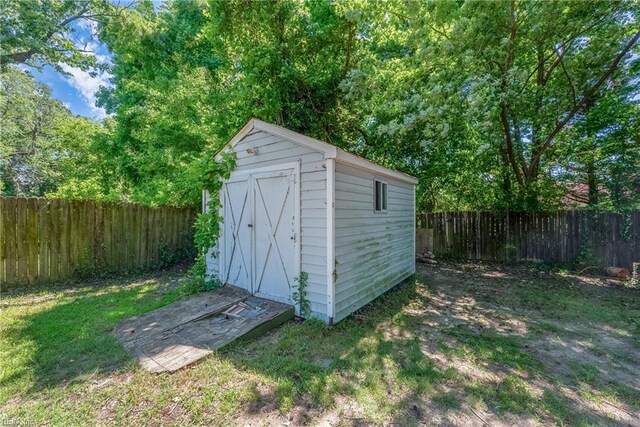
(53, 240)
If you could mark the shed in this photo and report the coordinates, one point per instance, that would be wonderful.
(296, 204)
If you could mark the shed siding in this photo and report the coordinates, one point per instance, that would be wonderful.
(274, 150)
(374, 251)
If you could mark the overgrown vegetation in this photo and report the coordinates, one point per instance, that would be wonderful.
(512, 104)
(299, 296)
(207, 226)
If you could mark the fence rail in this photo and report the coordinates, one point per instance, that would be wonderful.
(603, 238)
(52, 240)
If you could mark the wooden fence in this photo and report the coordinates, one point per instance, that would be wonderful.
(51, 240)
(596, 237)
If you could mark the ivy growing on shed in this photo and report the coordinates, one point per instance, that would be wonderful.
(207, 225)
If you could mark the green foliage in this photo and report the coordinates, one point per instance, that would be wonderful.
(195, 284)
(625, 226)
(38, 33)
(28, 119)
(511, 251)
(300, 295)
(44, 149)
(634, 280)
(481, 99)
(603, 150)
(187, 75)
(586, 256)
(492, 105)
(207, 226)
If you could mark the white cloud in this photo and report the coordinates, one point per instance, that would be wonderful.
(103, 59)
(88, 25)
(91, 45)
(91, 48)
(87, 85)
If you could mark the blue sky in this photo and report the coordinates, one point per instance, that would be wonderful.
(77, 89)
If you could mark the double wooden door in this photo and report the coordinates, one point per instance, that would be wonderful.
(259, 235)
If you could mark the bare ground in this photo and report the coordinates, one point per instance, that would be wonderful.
(581, 364)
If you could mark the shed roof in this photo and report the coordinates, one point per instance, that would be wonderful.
(330, 151)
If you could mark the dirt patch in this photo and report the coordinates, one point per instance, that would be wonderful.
(574, 328)
(524, 347)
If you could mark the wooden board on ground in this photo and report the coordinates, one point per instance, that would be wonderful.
(181, 333)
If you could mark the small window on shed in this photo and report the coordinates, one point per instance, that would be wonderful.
(380, 196)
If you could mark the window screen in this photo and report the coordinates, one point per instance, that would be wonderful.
(380, 196)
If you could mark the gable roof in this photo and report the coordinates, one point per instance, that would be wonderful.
(330, 151)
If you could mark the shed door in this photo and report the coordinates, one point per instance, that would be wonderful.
(236, 233)
(275, 235)
(260, 233)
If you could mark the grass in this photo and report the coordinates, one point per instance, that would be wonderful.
(416, 352)
(51, 343)
(568, 303)
(488, 347)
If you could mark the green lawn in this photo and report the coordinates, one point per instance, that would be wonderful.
(459, 344)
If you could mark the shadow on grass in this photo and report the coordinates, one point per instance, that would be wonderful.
(71, 338)
(375, 356)
(400, 359)
(381, 356)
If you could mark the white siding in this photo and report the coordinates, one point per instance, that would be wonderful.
(374, 250)
(274, 150)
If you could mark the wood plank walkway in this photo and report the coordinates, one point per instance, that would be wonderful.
(181, 333)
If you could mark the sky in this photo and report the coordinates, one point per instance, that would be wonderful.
(77, 90)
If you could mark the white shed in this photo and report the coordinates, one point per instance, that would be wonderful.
(295, 204)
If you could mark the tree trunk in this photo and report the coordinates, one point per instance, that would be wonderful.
(506, 176)
(592, 181)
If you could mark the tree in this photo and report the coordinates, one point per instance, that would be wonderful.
(501, 81)
(163, 75)
(41, 144)
(85, 174)
(37, 33)
(493, 105)
(189, 74)
(540, 64)
(27, 115)
(603, 150)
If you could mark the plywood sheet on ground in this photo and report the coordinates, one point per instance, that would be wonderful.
(181, 333)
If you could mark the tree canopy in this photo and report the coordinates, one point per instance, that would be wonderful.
(37, 33)
(43, 147)
(513, 104)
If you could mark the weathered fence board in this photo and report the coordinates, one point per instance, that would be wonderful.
(51, 240)
(599, 237)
